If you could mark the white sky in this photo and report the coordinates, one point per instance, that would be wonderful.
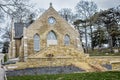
(58, 4)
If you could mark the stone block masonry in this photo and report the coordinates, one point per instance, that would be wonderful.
(45, 70)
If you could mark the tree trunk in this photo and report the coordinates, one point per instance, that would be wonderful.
(91, 38)
(80, 38)
(86, 50)
(110, 44)
(100, 44)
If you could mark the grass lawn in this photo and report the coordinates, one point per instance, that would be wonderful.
(111, 75)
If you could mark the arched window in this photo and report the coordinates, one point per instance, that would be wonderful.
(51, 38)
(66, 40)
(36, 42)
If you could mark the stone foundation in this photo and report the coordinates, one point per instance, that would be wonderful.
(45, 70)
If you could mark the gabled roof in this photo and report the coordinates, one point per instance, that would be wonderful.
(18, 27)
(61, 25)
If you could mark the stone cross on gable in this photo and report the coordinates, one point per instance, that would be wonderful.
(50, 4)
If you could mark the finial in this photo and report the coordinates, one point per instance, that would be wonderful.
(50, 4)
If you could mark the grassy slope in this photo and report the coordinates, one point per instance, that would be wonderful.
(75, 76)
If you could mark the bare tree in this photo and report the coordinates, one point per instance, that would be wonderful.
(1, 16)
(39, 12)
(17, 9)
(85, 9)
(81, 26)
(6, 36)
(67, 14)
(22, 10)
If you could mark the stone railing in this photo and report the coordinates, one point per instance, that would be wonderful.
(114, 61)
(106, 59)
(115, 65)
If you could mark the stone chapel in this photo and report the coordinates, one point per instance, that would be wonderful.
(49, 38)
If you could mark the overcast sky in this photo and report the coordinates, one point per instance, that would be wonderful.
(58, 4)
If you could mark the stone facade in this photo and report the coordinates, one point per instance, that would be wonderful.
(42, 27)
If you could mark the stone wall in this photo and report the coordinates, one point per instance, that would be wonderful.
(45, 70)
(17, 46)
(115, 65)
(114, 61)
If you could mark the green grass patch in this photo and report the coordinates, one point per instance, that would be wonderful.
(111, 75)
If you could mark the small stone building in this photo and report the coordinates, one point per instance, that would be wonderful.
(49, 38)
